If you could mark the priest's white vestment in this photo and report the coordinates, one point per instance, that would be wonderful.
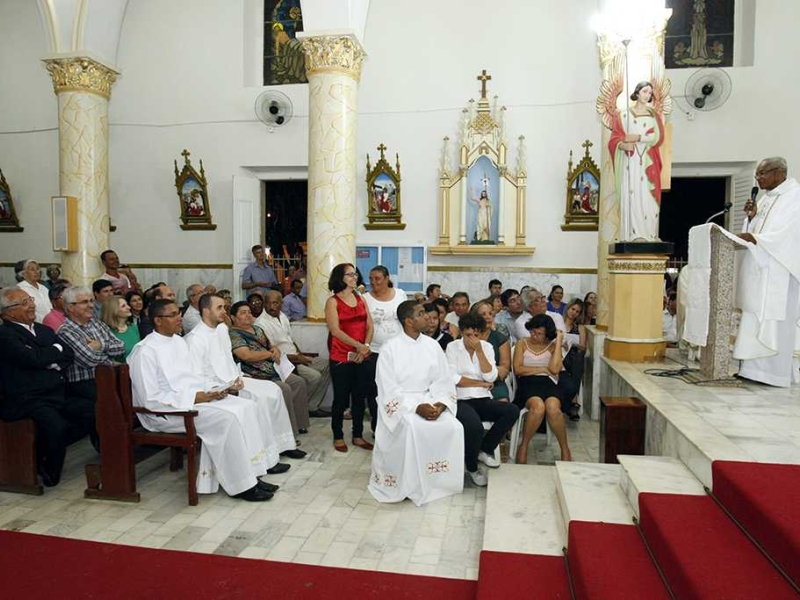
(233, 453)
(212, 359)
(767, 290)
(415, 458)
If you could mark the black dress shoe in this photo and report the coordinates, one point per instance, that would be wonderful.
(302, 431)
(293, 454)
(268, 487)
(49, 479)
(319, 413)
(255, 494)
(279, 468)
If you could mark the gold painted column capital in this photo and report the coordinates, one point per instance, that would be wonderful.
(334, 53)
(80, 74)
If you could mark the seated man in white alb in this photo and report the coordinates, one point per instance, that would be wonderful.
(210, 350)
(235, 449)
(419, 444)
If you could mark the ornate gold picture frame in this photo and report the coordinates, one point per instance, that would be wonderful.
(193, 196)
(582, 211)
(383, 194)
(8, 214)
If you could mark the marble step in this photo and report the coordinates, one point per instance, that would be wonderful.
(522, 511)
(659, 474)
(591, 492)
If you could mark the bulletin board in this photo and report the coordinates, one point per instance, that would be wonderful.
(407, 265)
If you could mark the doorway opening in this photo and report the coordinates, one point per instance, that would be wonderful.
(286, 221)
(689, 202)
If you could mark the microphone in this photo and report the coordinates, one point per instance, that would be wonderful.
(722, 212)
(753, 194)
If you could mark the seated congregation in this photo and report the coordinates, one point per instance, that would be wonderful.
(440, 381)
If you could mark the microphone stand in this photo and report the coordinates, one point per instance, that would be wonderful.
(717, 214)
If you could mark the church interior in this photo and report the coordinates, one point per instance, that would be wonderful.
(481, 149)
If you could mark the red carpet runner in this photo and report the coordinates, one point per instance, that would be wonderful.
(506, 576)
(40, 566)
(610, 561)
(765, 499)
(702, 552)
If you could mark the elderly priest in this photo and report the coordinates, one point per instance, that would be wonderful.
(236, 448)
(419, 444)
(210, 349)
(768, 282)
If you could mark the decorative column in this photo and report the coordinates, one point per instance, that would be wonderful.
(333, 66)
(83, 87)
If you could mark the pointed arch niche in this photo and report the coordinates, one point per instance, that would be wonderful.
(482, 201)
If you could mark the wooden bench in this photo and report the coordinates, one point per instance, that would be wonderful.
(18, 458)
(115, 477)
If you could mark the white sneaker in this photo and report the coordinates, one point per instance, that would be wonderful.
(489, 460)
(478, 478)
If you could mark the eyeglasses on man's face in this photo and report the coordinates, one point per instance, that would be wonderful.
(26, 302)
(765, 172)
(83, 302)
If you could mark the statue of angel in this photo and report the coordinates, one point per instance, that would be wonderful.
(637, 133)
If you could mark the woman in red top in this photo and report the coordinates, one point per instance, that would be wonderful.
(350, 325)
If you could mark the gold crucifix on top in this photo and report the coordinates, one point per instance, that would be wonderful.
(483, 78)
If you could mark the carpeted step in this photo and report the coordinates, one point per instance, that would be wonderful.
(506, 575)
(765, 499)
(703, 554)
(610, 561)
(50, 567)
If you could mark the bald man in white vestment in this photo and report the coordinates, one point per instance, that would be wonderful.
(768, 281)
(235, 450)
(419, 444)
(210, 350)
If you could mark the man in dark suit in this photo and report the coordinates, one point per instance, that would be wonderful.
(32, 363)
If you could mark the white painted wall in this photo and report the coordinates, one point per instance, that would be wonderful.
(183, 65)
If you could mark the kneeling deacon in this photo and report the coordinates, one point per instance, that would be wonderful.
(419, 444)
(210, 350)
(234, 451)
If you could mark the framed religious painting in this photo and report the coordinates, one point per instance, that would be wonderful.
(582, 211)
(8, 214)
(700, 33)
(193, 196)
(383, 194)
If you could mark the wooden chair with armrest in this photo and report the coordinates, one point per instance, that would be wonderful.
(115, 477)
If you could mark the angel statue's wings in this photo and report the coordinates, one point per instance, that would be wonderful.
(610, 90)
(662, 101)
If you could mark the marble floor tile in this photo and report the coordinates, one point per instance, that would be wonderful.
(286, 548)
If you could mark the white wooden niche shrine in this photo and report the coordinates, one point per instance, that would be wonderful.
(482, 201)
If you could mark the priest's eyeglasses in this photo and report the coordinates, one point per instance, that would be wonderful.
(764, 173)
